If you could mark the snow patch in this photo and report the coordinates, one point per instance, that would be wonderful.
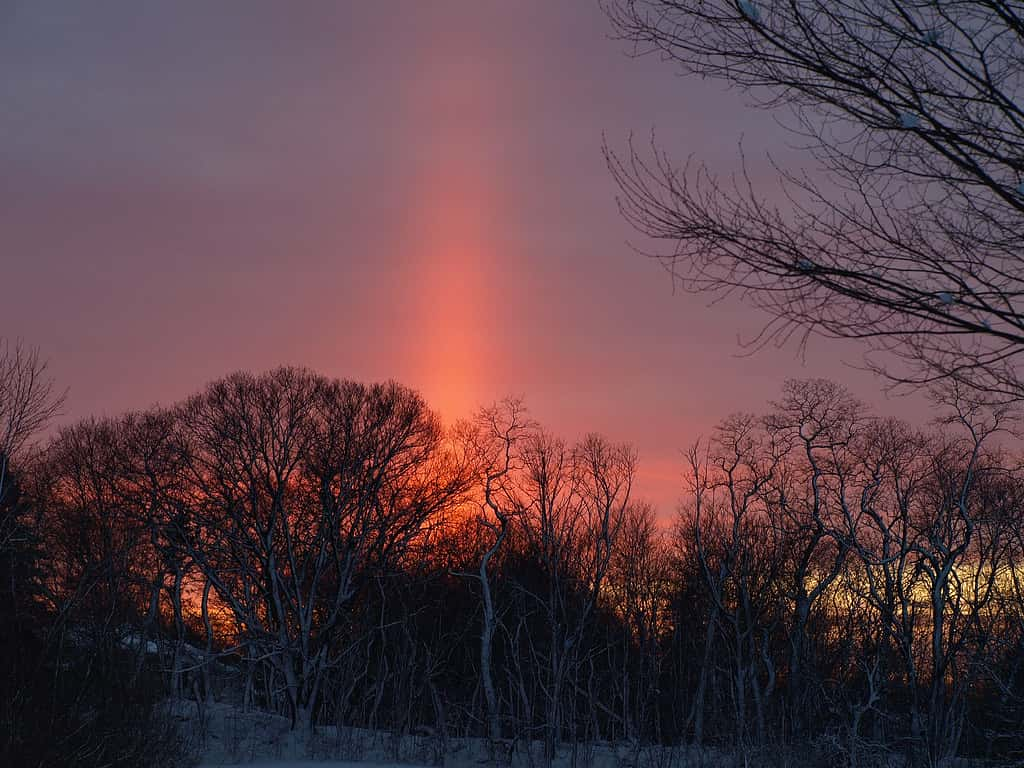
(229, 736)
(750, 10)
(909, 120)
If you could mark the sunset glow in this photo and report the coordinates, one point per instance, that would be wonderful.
(434, 211)
(453, 189)
(450, 318)
(537, 384)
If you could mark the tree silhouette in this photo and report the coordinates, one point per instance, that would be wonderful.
(908, 232)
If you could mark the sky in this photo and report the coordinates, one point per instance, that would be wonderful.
(403, 190)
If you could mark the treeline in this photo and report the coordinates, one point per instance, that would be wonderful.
(329, 551)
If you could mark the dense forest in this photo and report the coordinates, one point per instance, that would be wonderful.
(835, 584)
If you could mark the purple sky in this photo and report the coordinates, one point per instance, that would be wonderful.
(375, 190)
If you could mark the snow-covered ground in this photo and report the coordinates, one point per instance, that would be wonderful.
(226, 736)
(284, 763)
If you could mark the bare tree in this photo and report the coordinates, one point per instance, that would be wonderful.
(908, 233)
(639, 577)
(808, 502)
(496, 439)
(93, 539)
(570, 505)
(302, 490)
(732, 540)
(836, 584)
(28, 400)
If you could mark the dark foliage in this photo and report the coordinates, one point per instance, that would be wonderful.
(70, 694)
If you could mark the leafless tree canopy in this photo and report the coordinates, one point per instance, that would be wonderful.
(905, 229)
(834, 586)
(28, 399)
